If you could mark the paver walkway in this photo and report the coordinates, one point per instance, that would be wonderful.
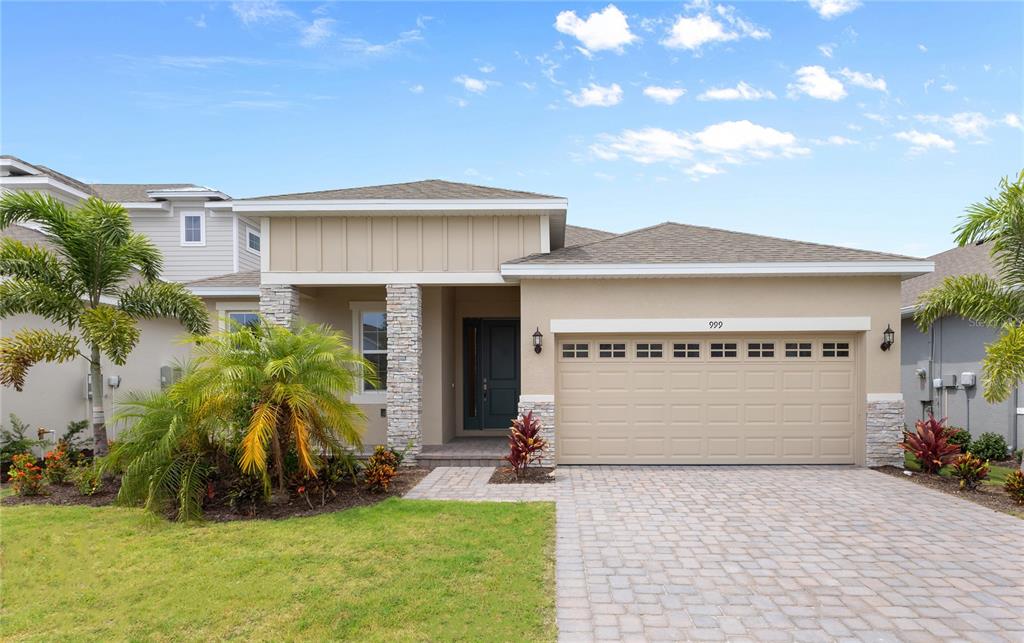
(770, 554)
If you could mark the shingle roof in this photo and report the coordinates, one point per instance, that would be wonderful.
(134, 192)
(430, 189)
(678, 243)
(578, 235)
(246, 279)
(28, 236)
(966, 260)
(53, 174)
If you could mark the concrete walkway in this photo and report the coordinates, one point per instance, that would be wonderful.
(769, 554)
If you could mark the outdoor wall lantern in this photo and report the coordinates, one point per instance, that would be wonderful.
(888, 337)
(538, 340)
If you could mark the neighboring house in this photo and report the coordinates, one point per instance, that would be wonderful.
(953, 346)
(667, 345)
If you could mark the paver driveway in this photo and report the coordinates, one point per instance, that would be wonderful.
(775, 554)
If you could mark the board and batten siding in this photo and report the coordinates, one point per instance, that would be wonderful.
(188, 263)
(411, 243)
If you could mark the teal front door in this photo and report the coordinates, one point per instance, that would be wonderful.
(491, 373)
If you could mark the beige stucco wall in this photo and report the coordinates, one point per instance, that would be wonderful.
(410, 243)
(874, 297)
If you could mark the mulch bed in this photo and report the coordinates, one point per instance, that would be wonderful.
(217, 510)
(532, 475)
(991, 496)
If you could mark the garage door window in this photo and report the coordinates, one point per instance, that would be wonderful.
(575, 351)
(761, 349)
(798, 349)
(835, 349)
(611, 350)
(723, 349)
(686, 351)
(648, 350)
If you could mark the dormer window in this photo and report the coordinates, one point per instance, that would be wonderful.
(193, 228)
(252, 239)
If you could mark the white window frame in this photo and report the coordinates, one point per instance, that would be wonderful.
(225, 308)
(252, 230)
(202, 227)
(363, 396)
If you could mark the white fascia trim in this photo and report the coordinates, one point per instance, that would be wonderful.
(906, 268)
(18, 165)
(533, 399)
(711, 325)
(378, 278)
(217, 205)
(885, 397)
(37, 181)
(226, 291)
(187, 194)
(392, 205)
(147, 205)
(908, 311)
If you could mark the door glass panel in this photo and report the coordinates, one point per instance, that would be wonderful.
(471, 372)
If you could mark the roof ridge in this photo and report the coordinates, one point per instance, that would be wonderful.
(619, 235)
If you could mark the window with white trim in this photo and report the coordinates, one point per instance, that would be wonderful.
(648, 350)
(689, 350)
(252, 239)
(723, 349)
(193, 229)
(798, 349)
(373, 345)
(611, 350)
(244, 317)
(575, 351)
(760, 349)
(835, 349)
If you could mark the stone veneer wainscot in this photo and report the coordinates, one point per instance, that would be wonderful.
(544, 409)
(405, 369)
(279, 304)
(884, 432)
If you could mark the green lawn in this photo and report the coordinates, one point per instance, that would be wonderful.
(996, 474)
(399, 570)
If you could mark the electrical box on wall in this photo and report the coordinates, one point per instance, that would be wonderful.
(968, 380)
(949, 380)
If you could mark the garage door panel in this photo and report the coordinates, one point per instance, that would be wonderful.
(699, 410)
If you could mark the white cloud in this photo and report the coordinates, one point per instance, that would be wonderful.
(922, 48)
(928, 83)
(948, 88)
(1012, 120)
(921, 142)
(475, 85)
(205, 62)
(486, 69)
(646, 146)
(827, 49)
(969, 125)
(528, 86)
(746, 137)
(595, 95)
(863, 79)
(366, 48)
(548, 68)
(316, 32)
(694, 31)
(417, 89)
(834, 140)
(256, 11)
(698, 171)
(667, 95)
(742, 91)
(200, 22)
(814, 81)
(878, 118)
(603, 30)
(604, 176)
(829, 9)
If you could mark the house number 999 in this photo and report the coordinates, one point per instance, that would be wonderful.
(714, 324)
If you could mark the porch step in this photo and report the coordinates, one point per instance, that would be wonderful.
(465, 452)
(433, 462)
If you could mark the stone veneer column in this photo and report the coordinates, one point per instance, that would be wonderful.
(543, 407)
(884, 430)
(405, 368)
(279, 304)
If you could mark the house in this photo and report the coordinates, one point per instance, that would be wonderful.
(952, 348)
(673, 344)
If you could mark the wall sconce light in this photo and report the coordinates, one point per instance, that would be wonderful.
(538, 340)
(888, 337)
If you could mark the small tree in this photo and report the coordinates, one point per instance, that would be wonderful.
(97, 282)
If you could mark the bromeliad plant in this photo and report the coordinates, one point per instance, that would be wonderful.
(96, 279)
(930, 444)
(970, 470)
(524, 442)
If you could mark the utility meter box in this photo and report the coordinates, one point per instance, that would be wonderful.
(949, 380)
(968, 380)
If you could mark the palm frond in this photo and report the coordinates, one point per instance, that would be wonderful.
(258, 434)
(976, 297)
(158, 299)
(29, 346)
(19, 296)
(1003, 367)
(19, 207)
(999, 220)
(112, 330)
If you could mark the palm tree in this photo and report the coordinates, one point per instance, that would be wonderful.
(290, 387)
(994, 301)
(97, 282)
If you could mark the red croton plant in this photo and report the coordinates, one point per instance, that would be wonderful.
(524, 442)
(930, 444)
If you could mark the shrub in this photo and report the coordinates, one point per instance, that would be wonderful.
(970, 470)
(1018, 456)
(15, 440)
(380, 469)
(1014, 486)
(524, 442)
(57, 464)
(87, 479)
(26, 476)
(930, 444)
(959, 436)
(247, 494)
(990, 446)
(73, 439)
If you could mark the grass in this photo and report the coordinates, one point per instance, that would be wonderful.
(399, 570)
(996, 474)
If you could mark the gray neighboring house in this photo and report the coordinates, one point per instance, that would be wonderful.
(952, 347)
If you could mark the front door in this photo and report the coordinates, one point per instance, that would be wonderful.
(491, 372)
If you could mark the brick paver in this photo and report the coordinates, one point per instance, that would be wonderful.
(770, 554)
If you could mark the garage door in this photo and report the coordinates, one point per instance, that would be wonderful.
(707, 400)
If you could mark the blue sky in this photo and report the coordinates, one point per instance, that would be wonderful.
(870, 125)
